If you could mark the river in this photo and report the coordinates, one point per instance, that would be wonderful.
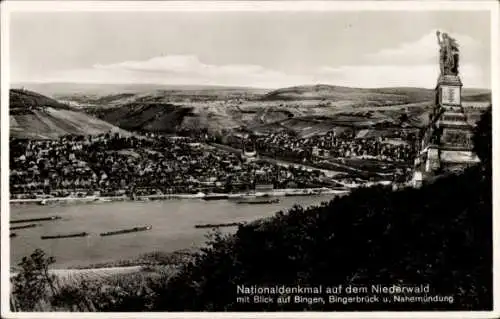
(172, 220)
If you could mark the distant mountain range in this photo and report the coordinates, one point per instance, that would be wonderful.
(90, 92)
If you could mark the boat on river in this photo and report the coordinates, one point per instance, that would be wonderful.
(217, 225)
(82, 234)
(216, 197)
(257, 200)
(126, 231)
(23, 226)
(35, 219)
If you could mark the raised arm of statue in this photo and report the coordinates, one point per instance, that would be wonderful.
(453, 44)
(442, 51)
(446, 41)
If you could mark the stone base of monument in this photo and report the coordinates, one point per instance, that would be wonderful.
(447, 144)
(432, 162)
(417, 179)
(439, 158)
(450, 145)
(455, 160)
(464, 157)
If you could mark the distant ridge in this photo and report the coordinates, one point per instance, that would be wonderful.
(394, 95)
(171, 109)
(304, 92)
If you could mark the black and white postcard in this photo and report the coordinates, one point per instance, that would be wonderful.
(299, 159)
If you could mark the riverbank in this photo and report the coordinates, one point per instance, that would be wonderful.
(93, 199)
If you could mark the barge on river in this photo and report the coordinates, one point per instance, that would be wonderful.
(23, 226)
(257, 200)
(216, 197)
(35, 219)
(217, 225)
(125, 231)
(83, 234)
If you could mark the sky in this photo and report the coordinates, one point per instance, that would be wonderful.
(255, 49)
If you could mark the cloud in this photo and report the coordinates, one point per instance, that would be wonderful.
(424, 50)
(187, 64)
(408, 64)
(179, 69)
(422, 75)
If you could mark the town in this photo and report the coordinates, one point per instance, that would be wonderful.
(114, 165)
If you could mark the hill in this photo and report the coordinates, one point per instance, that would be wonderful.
(477, 97)
(306, 110)
(146, 116)
(365, 96)
(36, 116)
(22, 100)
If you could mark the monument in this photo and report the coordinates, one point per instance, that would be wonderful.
(447, 142)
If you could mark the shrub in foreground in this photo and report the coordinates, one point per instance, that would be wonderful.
(438, 235)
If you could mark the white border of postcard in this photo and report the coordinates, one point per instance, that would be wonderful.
(8, 7)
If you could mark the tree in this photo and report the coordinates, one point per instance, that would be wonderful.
(33, 282)
(403, 118)
(483, 139)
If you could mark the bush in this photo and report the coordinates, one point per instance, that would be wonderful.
(483, 142)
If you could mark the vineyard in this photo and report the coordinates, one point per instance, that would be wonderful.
(71, 277)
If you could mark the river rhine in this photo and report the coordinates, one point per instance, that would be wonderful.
(173, 224)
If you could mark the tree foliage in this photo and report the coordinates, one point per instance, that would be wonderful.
(483, 142)
(33, 283)
(438, 235)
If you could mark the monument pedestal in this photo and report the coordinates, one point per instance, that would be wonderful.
(449, 145)
(447, 142)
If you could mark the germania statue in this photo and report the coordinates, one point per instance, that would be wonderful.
(448, 54)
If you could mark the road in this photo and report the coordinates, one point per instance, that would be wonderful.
(329, 173)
